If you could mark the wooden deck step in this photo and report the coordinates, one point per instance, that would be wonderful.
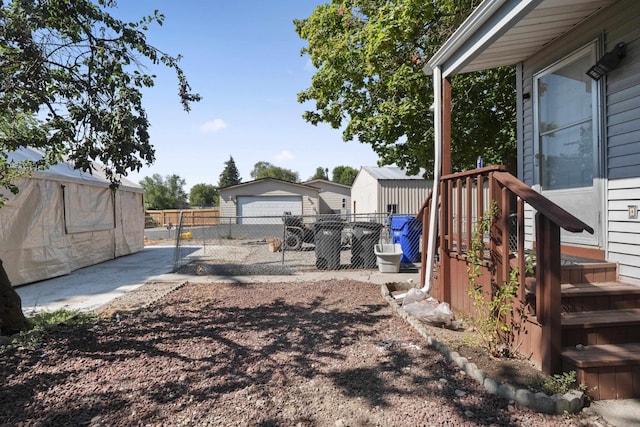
(598, 289)
(601, 318)
(609, 371)
(604, 355)
(591, 272)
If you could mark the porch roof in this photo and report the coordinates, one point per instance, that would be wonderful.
(505, 32)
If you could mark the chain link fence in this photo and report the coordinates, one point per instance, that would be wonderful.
(269, 245)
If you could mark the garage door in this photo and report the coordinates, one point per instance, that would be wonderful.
(267, 210)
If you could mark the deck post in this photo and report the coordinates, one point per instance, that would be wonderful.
(548, 291)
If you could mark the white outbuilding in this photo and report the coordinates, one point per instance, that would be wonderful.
(388, 190)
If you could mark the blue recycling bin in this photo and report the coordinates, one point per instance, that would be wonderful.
(406, 230)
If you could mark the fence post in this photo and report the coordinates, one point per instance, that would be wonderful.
(176, 253)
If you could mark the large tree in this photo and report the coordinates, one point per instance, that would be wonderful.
(203, 195)
(230, 175)
(369, 56)
(71, 82)
(267, 170)
(321, 173)
(164, 193)
(344, 175)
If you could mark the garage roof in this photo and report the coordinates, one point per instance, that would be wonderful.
(389, 173)
(279, 181)
(324, 181)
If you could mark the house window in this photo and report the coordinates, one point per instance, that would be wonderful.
(392, 209)
(567, 122)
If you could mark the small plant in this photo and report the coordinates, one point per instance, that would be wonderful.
(44, 322)
(530, 263)
(556, 384)
(492, 312)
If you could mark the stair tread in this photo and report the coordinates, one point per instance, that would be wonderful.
(598, 288)
(604, 355)
(592, 319)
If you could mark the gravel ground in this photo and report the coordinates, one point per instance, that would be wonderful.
(327, 353)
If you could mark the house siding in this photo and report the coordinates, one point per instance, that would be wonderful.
(623, 233)
(618, 23)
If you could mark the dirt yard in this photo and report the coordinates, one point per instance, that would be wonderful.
(329, 353)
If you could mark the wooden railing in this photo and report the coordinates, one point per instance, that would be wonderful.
(465, 197)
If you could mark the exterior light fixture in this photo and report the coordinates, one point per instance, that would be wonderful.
(608, 62)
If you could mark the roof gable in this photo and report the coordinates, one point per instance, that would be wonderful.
(325, 182)
(275, 180)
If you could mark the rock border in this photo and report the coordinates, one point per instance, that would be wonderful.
(138, 299)
(571, 402)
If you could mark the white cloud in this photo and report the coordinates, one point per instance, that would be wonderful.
(213, 126)
(284, 156)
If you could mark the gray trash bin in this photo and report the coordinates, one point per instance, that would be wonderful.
(365, 237)
(328, 239)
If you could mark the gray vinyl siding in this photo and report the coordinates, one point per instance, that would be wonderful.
(623, 233)
(617, 23)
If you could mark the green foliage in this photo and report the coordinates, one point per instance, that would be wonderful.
(369, 82)
(267, 170)
(321, 173)
(44, 322)
(203, 195)
(344, 175)
(491, 317)
(161, 193)
(230, 175)
(555, 384)
(72, 81)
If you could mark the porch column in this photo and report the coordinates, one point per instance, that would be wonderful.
(446, 126)
(437, 164)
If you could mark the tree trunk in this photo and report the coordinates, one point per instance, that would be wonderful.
(12, 319)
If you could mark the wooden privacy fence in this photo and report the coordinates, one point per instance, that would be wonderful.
(190, 217)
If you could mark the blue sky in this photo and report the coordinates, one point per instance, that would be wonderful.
(243, 57)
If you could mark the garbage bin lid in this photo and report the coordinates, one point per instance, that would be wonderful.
(329, 224)
(399, 221)
(366, 224)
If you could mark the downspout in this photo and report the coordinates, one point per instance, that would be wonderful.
(437, 168)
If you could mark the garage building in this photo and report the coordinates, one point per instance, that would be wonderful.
(265, 200)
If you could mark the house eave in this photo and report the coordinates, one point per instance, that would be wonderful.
(507, 32)
(479, 16)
